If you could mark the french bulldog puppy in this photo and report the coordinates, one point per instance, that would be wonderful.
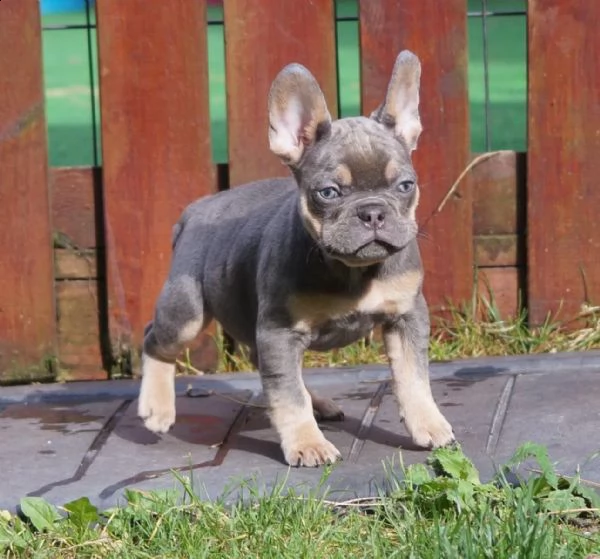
(310, 262)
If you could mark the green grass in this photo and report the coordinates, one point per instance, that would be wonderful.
(440, 511)
(69, 101)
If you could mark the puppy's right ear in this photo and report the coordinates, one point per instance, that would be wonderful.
(297, 112)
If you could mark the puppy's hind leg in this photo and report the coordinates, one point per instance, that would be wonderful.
(177, 321)
(325, 408)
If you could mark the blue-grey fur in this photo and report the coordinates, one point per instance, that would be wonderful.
(242, 256)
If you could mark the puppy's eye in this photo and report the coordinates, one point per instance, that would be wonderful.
(329, 193)
(406, 186)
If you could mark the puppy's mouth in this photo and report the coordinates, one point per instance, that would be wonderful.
(373, 252)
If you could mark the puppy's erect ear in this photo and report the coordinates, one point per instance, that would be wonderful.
(400, 110)
(297, 109)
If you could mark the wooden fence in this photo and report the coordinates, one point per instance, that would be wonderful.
(84, 251)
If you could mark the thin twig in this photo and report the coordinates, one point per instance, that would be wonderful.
(581, 480)
(479, 159)
(569, 511)
(356, 502)
(189, 367)
(103, 540)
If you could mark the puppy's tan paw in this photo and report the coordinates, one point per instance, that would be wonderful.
(326, 409)
(429, 428)
(156, 404)
(310, 450)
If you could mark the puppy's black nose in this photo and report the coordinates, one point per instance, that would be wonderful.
(372, 215)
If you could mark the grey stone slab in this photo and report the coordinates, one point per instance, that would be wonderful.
(561, 412)
(468, 404)
(254, 449)
(132, 454)
(43, 444)
(354, 399)
(493, 404)
(253, 455)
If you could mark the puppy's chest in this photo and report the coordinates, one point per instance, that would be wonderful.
(390, 296)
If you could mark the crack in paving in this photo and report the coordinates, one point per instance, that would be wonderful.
(500, 416)
(367, 420)
(90, 454)
(224, 448)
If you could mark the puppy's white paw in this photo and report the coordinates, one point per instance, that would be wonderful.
(428, 427)
(308, 447)
(156, 404)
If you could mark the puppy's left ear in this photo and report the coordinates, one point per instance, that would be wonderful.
(400, 110)
(297, 113)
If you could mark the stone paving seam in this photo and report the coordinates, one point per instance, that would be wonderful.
(499, 417)
(367, 420)
(90, 455)
(217, 460)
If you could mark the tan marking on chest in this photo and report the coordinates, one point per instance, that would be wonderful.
(394, 295)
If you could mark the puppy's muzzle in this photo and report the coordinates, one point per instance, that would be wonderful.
(372, 215)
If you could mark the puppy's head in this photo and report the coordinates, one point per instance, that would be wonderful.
(358, 188)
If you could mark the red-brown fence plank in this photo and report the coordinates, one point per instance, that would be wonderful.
(563, 162)
(75, 193)
(156, 144)
(500, 288)
(437, 33)
(27, 320)
(79, 348)
(499, 201)
(260, 39)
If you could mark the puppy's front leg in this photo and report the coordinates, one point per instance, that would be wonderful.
(406, 342)
(290, 407)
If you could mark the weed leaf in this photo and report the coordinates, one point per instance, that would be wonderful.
(39, 512)
(417, 474)
(453, 463)
(562, 500)
(540, 454)
(81, 512)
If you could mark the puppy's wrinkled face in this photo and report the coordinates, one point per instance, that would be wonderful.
(358, 192)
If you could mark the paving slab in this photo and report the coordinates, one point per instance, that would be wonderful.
(65, 441)
(560, 412)
(42, 444)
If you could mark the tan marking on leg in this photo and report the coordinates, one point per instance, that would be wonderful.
(302, 441)
(189, 331)
(424, 421)
(156, 403)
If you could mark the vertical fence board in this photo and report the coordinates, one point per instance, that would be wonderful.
(437, 33)
(563, 157)
(261, 38)
(156, 144)
(27, 320)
